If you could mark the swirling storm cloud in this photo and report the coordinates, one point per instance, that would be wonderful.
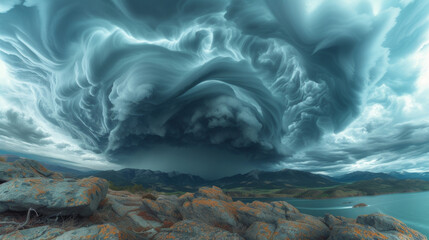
(267, 82)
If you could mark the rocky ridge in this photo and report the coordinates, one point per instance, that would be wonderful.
(99, 213)
(210, 212)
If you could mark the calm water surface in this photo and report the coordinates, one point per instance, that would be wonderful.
(411, 208)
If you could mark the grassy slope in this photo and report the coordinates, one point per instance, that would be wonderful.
(361, 188)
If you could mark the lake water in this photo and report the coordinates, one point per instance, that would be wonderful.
(410, 208)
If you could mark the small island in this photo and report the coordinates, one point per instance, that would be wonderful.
(360, 205)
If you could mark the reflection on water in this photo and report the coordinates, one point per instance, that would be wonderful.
(323, 208)
(411, 208)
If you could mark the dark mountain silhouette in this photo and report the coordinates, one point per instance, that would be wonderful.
(275, 179)
(360, 176)
(174, 181)
(411, 175)
(156, 180)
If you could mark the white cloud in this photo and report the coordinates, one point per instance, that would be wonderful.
(6, 5)
(5, 78)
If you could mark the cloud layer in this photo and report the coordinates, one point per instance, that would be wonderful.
(269, 79)
(17, 126)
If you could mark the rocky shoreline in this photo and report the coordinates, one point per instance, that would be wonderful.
(87, 209)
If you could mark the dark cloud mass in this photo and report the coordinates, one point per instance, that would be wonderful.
(264, 78)
(14, 125)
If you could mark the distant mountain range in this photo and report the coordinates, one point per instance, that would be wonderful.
(274, 179)
(185, 182)
(360, 176)
(287, 182)
(156, 180)
(408, 175)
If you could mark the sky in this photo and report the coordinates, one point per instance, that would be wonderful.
(217, 87)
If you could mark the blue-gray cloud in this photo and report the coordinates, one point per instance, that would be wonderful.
(17, 126)
(403, 147)
(262, 77)
(7, 5)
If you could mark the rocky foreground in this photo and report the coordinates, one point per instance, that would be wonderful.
(86, 209)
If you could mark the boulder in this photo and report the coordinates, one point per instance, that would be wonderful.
(287, 229)
(260, 231)
(37, 233)
(120, 208)
(374, 227)
(25, 168)
(355, 232)
(385, 223)
(150, 233)
(186, 197)
(331, 220)
(210, 211)
(212, 193)
(165, 207)
(129, 206)
(123, 202)
(144, 220)
(105, 231)
(263, 212)
(315, 222)
(53, 196)
(192, 230)
(124, 198)
(393, 235)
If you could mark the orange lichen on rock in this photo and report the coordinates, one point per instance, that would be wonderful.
(108, 231)
(206, 202)
(42, 168)
(37, 186)
(93, 186)
(364, 233)
(217, 205)
(250, 210)
(266, 231)
(40, 192)
(258, 204)
(153, 205)
(211, 192)
(187, 196)
(261, 230)
(381, 222)
(214, 193)
(187, 204)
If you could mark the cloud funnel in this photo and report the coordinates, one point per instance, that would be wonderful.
(261, 77)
